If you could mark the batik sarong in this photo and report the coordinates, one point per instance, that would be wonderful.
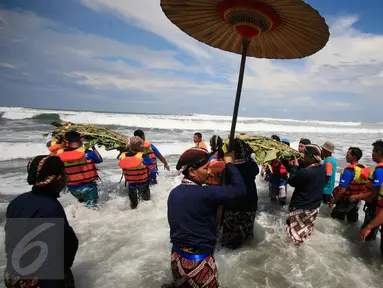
(237, 227)
(300, 224)
(17, 282)
(193, 273)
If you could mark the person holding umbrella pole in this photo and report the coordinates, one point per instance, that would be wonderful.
(269, 29)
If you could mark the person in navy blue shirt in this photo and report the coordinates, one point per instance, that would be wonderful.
(308, 186)
(47, 175)
(239, 214)
(192, 215)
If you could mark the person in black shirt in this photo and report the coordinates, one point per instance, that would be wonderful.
(307, 196)
(239, 214)
(47, 175)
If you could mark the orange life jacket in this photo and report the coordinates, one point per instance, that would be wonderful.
(215, 171)
(358, 184)
(135, 172)
(78, 169)
(149, 151)
(202, 145)
(53, 147)
(379, 203)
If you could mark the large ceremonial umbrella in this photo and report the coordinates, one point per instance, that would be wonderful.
(274, 29)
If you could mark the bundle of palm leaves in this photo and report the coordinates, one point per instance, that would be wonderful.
(93, 135)
(267, 149)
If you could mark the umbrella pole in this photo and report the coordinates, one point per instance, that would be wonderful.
(239, 90)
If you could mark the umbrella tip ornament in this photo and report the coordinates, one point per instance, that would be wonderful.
(249, 18)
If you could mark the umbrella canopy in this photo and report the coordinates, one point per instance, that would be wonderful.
(278, 29)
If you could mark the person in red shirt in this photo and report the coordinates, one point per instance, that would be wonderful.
(278, 179)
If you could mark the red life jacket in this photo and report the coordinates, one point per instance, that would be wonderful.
(358, 184)
(278, 169)
(135, 172)
(149, 151)
(78, 169)
(215, 171)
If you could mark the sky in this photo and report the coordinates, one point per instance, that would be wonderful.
(126, 56)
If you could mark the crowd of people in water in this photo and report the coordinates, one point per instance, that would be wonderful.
(216, 201)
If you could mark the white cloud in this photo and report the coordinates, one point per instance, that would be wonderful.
(148, 15)
(7, 65)
(351, 64)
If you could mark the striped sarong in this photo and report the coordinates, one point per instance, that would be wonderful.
(300, 224)
(189, 273)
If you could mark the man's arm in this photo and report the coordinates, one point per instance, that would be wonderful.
(377, 182)
(94, 156)
(377, 221)
(235, 188)
(344, 183)
(160, 157)
(328, 171)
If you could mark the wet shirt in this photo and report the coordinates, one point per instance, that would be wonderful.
(309, 184)
(346, 178)
(155, 150)
(192, 211)
(91, 155)
(330, 165)
(248, 203)
(377, 179)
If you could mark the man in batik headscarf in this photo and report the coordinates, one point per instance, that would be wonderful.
(239, 214)
(192, 215)
(307, 196)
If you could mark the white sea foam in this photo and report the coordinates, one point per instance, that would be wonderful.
(121, 247)
(130, 248)
(195, 122)
(9, 151)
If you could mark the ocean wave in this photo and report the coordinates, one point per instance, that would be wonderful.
(47, 117)
(28, 150)
(195, 122)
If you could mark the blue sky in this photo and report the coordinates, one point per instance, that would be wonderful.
(125, 56)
